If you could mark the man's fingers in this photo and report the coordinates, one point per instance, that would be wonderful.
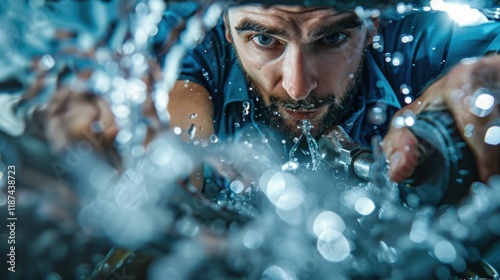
(401, 149)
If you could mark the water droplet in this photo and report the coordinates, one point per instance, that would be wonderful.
(409, 118)
(492, 136)
(406, 38)
(252, 239)
(246, 105)
(214, 139)
(377, 115)
(328, 220)
(397, 59)
(193, 116)
(482, 102)
(290, 165)
(47, 62)
(192, 131)
(276, 272)
(177, 130)
(123, 136)
(401, 8)
(468, 129)
(364, 206)
(237, 186)
(405, 89)
(333, 246)
(445, 251)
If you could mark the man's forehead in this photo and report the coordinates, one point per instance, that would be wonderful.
(339, 5)
(276, 14)
(289, 9)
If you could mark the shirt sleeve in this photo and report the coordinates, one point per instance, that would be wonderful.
(419, 46)
(205, 63)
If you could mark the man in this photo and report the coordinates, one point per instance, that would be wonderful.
(295, 63)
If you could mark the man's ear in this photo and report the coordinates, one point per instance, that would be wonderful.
(372, 29)
(227, 28)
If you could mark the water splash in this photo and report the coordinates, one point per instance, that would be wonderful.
(316, 158)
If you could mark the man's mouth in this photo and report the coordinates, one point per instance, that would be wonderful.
(302, 112)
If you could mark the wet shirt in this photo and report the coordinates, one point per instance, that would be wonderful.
(408, 53)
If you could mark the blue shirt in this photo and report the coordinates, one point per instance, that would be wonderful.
(399, 61)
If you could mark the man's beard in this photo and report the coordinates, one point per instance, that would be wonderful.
(338, 109)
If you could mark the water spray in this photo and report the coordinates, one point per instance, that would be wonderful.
(446, 166)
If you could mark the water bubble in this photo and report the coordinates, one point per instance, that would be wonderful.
(120, 110)
(364, 206)
(285, 191)
(193, 116)
(378, 43)
(333, 246)
(408, 100)
(177, 130)
(47, 62)
(103, 56)
(151, 29)
(127, 48)
(405, 89)
(252, 239)
(214, 139)
(403, 7)
(275, 272)
(409, 118)
(397, 59)
(142, 9)
(445, 251)
(290, 165)
(192, 131)
(328, 220)
(377, 115)
(492, 136)
(406, 38)
(187, 227)
(419, 231)
(237, 186)
(469, 128)
(123, 136)
(388, 57)
(482, 102)
(160, 152)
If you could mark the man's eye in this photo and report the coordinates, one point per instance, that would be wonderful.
(334, 38)
(263, 40)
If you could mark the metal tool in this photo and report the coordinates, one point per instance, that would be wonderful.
(446, 168)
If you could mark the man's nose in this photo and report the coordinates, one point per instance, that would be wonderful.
(298, 74)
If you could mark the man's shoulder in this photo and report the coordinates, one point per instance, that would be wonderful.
(414, 21)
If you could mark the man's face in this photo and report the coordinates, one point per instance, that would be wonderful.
(304, 63)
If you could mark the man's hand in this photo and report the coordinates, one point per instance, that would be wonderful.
(470, 91)
(70, 117)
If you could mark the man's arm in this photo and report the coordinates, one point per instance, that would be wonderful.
(191, 109)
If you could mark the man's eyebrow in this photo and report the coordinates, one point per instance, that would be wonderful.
(251, 25)
(351, 21)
